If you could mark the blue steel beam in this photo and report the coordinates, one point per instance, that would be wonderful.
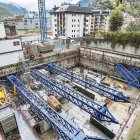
(89, 83)
(96, 110)
(134, 71)
(127, 75)
(65, 129)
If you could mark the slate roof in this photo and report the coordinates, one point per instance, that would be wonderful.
(72, 9)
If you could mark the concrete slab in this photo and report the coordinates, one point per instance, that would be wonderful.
(118, 110)
(82, 120)
(25, 131)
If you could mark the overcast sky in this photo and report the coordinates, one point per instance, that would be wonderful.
(31, 5)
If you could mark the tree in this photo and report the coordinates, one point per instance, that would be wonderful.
(107, 4)
(133, 27)
(115, 20)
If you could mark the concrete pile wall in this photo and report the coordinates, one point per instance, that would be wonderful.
(103, 60)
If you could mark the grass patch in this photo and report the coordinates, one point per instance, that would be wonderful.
(33, 31)
(116, 38)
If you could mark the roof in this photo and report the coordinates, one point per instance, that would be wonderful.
(5, 112)
(72, 9)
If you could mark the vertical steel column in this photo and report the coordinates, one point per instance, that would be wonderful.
(42, 19)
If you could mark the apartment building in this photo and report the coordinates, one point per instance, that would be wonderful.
(10, 51)
(71, 20)
(99, 20)
(49, 20)
(29, 21)
(129, 19)
(2, 31)
(10, 26)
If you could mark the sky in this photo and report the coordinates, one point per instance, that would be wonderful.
(32, 5)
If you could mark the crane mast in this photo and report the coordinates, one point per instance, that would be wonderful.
(42, 19)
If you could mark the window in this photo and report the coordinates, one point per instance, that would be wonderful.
(72, 20)
(72, 30)
(55, 20)
(55, 29)
(72, 35)
(55, 25)
(75, 20)
(72, 25)
(78, 20)
(16, 43)
(36, 23)
(78, 25)
(31, 21)
(36, 26)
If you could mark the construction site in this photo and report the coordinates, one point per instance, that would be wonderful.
(68, 90)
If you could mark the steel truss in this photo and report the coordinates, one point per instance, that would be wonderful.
(66, 130)
(134, 71)
(42, 19)
(127, 75)
(89, 83)
(96, 110)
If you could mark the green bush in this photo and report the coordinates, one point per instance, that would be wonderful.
(117, 38)
(115, 20)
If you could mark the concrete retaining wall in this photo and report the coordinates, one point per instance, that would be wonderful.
(103, 60)
(128, 49)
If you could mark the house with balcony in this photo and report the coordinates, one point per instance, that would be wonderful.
(99, 21)
(71, 20)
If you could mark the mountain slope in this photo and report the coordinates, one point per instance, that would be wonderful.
(128, 6)
(11, 9)
(4, 13)
(85, 2)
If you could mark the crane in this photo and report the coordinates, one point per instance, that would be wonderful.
(89, 83)
(42, 20)
(65, 129)
(95, 109)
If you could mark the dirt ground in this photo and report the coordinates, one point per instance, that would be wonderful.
(135, 131)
